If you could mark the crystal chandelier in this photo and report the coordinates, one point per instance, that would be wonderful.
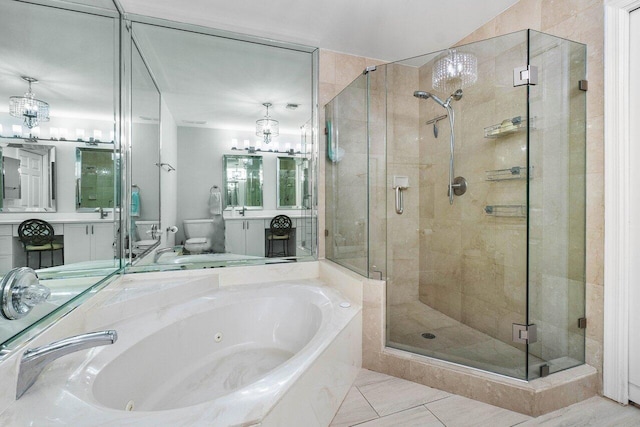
(455, 70)
(267, 128)
(28, 107)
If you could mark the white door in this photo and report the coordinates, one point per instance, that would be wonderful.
(31, 179)
(634, 291)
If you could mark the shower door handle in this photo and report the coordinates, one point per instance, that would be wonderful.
(399, 200)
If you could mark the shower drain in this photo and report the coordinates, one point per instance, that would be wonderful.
(428, 335)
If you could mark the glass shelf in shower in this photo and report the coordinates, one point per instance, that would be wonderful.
(510, 174)
(507, 127)
(514, 211)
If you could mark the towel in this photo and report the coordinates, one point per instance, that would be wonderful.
(215, 201)
(135, 204)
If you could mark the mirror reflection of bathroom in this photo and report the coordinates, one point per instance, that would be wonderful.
(60, 169)
(146, 174)
(225, 129)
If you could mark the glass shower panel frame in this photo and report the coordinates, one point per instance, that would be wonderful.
(557, 204)
(346, 173)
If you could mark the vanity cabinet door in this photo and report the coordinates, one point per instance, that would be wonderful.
(88, 242)
(234, 237)
(102, 241)
(6, 249)
(77, 243)
(254, 237)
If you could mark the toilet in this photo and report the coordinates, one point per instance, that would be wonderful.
(144, 236)
(199, 233)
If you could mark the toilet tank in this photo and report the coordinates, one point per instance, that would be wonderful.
(197, 227)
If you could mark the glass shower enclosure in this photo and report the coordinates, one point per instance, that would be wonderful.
(458, 177)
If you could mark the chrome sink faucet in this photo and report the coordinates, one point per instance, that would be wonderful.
(102, 212)
(243, 211)
(36, 359)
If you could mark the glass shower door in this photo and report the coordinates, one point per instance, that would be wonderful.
(557, 204)
(457, 271)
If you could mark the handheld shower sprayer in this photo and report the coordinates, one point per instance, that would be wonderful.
(457, 185)
(455, 96)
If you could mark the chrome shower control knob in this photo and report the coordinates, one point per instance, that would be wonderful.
(20, 291)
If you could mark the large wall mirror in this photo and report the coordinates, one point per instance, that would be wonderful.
(231, 106)
(28, 177)
(293, 183)
(243, 179)
(59, 162)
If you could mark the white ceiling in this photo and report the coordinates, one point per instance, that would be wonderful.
(217, 80)
(388, 30)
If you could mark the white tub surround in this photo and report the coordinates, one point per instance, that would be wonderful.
(236, 346)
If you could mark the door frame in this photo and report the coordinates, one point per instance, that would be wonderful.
(618, 193)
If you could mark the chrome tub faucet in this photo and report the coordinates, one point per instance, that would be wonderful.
(36, 359)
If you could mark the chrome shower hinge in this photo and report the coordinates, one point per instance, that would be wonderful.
(526, 75)
(583, 85)
(524, 334)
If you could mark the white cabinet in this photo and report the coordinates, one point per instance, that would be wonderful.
(245, 237)
(88, 242)
(6, 249)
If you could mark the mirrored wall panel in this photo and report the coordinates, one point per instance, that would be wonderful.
(231, 107)
(59, 97)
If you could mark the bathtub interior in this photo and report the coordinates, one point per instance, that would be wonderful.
(207, 355)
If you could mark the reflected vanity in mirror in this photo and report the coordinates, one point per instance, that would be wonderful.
(28, 177)
(293, 179)
(242, 181)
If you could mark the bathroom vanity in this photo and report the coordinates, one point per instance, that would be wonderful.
(84, 240)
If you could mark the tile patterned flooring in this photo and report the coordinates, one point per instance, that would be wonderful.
(378, 400)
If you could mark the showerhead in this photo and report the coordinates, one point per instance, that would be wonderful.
(457, 95)
(421, 94)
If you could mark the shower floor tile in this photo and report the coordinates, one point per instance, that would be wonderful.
(454, 341)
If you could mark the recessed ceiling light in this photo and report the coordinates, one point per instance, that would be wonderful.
(150, 119)
(195, 122)
(292, 106)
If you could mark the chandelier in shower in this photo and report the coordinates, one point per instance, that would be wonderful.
(32, 110)
(267, 128)
(455, 70)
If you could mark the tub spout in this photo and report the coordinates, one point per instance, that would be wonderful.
(36, 359)
(159, 253)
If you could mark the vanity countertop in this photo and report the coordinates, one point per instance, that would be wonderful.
(54, 220)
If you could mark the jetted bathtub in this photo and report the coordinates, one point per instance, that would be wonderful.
(272, 354)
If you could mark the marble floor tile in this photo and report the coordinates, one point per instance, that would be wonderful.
(394, 401)
(354, 410)
(392, 394)
(414, 417)
(366, 377)
(595, 412)
(460, 411)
